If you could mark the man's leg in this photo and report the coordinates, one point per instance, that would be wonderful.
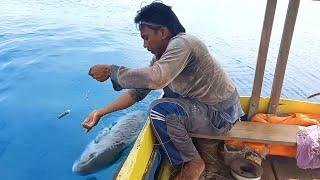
(171, 120)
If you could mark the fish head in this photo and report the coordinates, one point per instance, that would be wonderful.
(85, 165)
(94, 159)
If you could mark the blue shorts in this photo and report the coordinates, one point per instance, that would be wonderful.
(173, 119)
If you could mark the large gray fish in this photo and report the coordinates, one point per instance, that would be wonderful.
(106, 147)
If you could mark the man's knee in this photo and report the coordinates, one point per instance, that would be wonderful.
(155, 114)
(164, 107)
(156, 102)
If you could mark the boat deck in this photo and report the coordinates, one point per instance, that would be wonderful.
(274, 167)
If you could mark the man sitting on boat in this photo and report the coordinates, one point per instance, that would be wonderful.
(199, 97)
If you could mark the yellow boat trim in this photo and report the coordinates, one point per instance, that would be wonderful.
(137, 162)
(135, 165)
(285, 105)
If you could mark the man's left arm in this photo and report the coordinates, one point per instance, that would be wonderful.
(157, 76)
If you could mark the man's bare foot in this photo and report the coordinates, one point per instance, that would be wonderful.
(192, 170)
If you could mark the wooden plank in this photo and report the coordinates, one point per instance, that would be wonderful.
(262, 57)
(267, 171)
(285, 168)
(258, 132)
(283, 55)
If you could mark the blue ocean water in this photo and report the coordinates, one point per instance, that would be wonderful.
(47, 47)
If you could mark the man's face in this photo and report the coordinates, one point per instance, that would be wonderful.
(152, 40)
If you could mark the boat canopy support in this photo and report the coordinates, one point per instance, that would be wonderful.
(262, 57)
(286, 39)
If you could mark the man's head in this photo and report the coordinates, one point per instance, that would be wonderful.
(157, 23)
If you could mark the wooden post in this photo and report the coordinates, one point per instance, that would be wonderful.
(283, 55)
(262, 57)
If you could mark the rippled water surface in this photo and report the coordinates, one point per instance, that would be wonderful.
(47, 47)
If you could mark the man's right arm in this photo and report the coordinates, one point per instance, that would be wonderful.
(124, 101)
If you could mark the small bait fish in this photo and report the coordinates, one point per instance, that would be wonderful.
(64, 113)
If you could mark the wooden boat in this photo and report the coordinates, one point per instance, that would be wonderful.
(139, 159)
(142, 154)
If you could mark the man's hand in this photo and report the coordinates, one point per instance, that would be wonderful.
(100, 72)
(92, 120)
